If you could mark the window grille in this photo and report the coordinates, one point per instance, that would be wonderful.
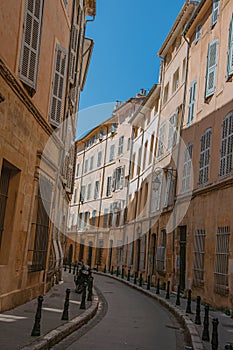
(221, 274)
(204, 158)
(227, 145)
(199, 256)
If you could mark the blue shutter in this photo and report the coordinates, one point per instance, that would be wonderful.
(211, 68)
(192, 97)
(215, 11)
(230, 49)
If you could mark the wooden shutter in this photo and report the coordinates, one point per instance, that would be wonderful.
(30, 49)
(211, 68)
(191, 101)
(55, 116)
(204, 157)
(73, 52)
(122, 176)
(230, 49)
(227, 146)
(215, 11)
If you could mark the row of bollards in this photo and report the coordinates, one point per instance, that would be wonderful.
(65, 314)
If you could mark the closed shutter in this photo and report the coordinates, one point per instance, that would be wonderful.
(211, 68)
(55, 115)
(30, 49)
(230, 49)
(73, 52)
(168, 188)
(191, 101)
(122, 176)
(70, 169)
(204, 158)
(227, 146)
(215, 11)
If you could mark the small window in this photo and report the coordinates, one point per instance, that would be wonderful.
(215, 11)
(198, 33)
(99, 159)
(175, 80)
(211, 68)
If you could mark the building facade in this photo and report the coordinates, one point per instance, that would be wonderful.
(42, 72)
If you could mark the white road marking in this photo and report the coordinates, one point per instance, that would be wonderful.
(75, 302)
(51, 309)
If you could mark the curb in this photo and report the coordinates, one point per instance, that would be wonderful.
(56, 335)
(189, 326)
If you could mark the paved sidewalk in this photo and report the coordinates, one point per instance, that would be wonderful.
(16, 324)
(225, 327)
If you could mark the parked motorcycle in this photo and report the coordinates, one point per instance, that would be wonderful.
(82, 278)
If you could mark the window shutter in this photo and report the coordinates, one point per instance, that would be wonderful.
(211, 68)
(73, 52)
(204, 158)
(55, 116)
(122, 176)
(230, 49)
(29, 58)
(168, 189)
(114, 180)
(191, 101)
(215, 11)
(227, 146)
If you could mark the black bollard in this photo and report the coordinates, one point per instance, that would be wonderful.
(65, 315)
(148, 282)
(90, 287)
(205, 334)
(36, 327)
(135, 278)
(83, 301)
(178, 296)
(128, 277)
(105, 268)
(198, 311)
(168, 290)
(70, 268)
(123, 273)
(214, 340)
(97, 267)
(157, 288)
(188, 308)
(74, 269)
(117, 273)
(112, 271)
(140, 280)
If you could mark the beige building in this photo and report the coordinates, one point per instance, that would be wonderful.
(43, 67)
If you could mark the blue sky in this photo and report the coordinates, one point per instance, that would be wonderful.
(127, 36)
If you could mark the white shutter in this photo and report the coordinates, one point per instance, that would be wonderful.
(227, 146)
(114, 180)
(211, 68)
(204, 158)
(215, 11)
(55, 116)
(168, 188)
(230, 49)
(29, 57)
(122, 176)
(191, 101)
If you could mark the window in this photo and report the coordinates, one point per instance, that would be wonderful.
(55, 114)
(105, 222)
(167, 198)
(230, 50)
(81, 249)
(114, 128)
(101, 135)
(132, 167)
(187, 168)
(199, 257)
(145, 155)
(192, 97)
(172, 130)
(109, 186)
(120, 145)
(215, 11)
(88, 191)
(42, 226)
(73, 52)
(161, 140)
(82, 193)
(85, 165)
(221, 273)
(152, 140)
(99, 159)
(75, 195)
(93, 218)
(183, 69)
(96, 193)
(110, 216)
(204, 158)
(29, 57)
(156, 193)
(211, 68)
(197, 34)
(99, 251)
(111, 155)
(118, 178)
(227, 145)
(175, 83)
(165, 95)
(91, 162)
(77, 170)
(128, 144)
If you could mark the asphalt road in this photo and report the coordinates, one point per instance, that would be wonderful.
(128, 320)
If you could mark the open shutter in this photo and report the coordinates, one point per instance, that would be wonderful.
(230, 49)
(211, 68)
(55, 116)
(215, 11)
(70, 169)
(114, 180)
(168, 188)
(122, 176)
(73, 52)
(29, 58)
(191, 101)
